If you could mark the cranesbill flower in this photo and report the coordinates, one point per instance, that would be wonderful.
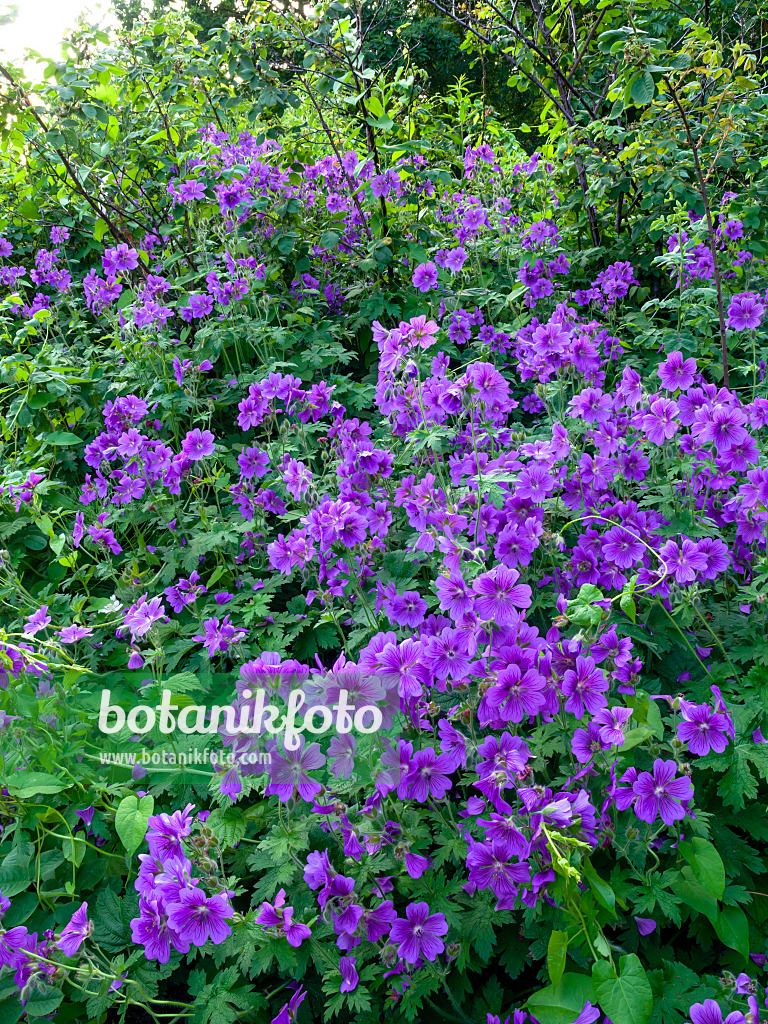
(661, 421)
(253, 463)
(661, 794)
(500, 595)
(198, 917)
(702, 728)
(280, 916)
(404, 665)
(589, 1014)
(198, 444)
(165, 832)
(516, 694)
(71, 634)
(709, 1012)
(289, 771)
(76, 932)
(683, 561)
(585, 743)
(152, 931)
(425, 277)
(584, 687)
(429, 775)
(613, 722)
(288, 1012)
(349, 977)
(455, 259)
(455, 596)
(490, 868)
(37, 620)
(419, 934)
(622, 547)
(677, 373)
(141, 616)
(217, 639)
(745, 312)
(378, 920)
(645, 925)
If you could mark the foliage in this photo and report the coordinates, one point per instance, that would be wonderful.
(319, 386)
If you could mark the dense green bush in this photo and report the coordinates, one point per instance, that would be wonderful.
(320, 391)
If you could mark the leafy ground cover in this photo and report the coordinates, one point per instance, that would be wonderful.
(335, 390)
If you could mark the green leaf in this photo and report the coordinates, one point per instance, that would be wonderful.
(706, 864)
(111, 920)
(581, 610)
(63, 438)
(227, 825)
(635, 736)
(26, 784)
(693, 893)
(680, 62)
(643, 88)
(604, 894)
(329, 239)
(564, 1002)
(284, 244)
(16, 871)
(42, 1001)
(557, 951)
(732, 929)
(626, 999)
(131, 821)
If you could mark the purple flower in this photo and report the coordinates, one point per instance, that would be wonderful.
(588, 1015)
(661, 794)
(76, 932)
(198, 444)
(683, 561)
(490, 868)
(198, 917)
(584, 687)
(455, 259)
(661, 421)
(419, 934)
(141, 616)
(677, 373)
(408, 609)
(379, 920)
(745, 312)
(425, 277)
(190, 189)
(165, 832)
(709, 1012)
(349, 977)
(645, 925)
(588, 742)
(280, 916)
(613, 722)
(702, 729)
(37, 621)
(122, 257)
(429, 775)
(152, 931)
(71, 634)
(500, 595)
(287, 1014)
(289, 771)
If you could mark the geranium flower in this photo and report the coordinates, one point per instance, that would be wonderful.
(289, 772)
(661, 794)
(198, 917)
(75, 932)
(419, 934)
